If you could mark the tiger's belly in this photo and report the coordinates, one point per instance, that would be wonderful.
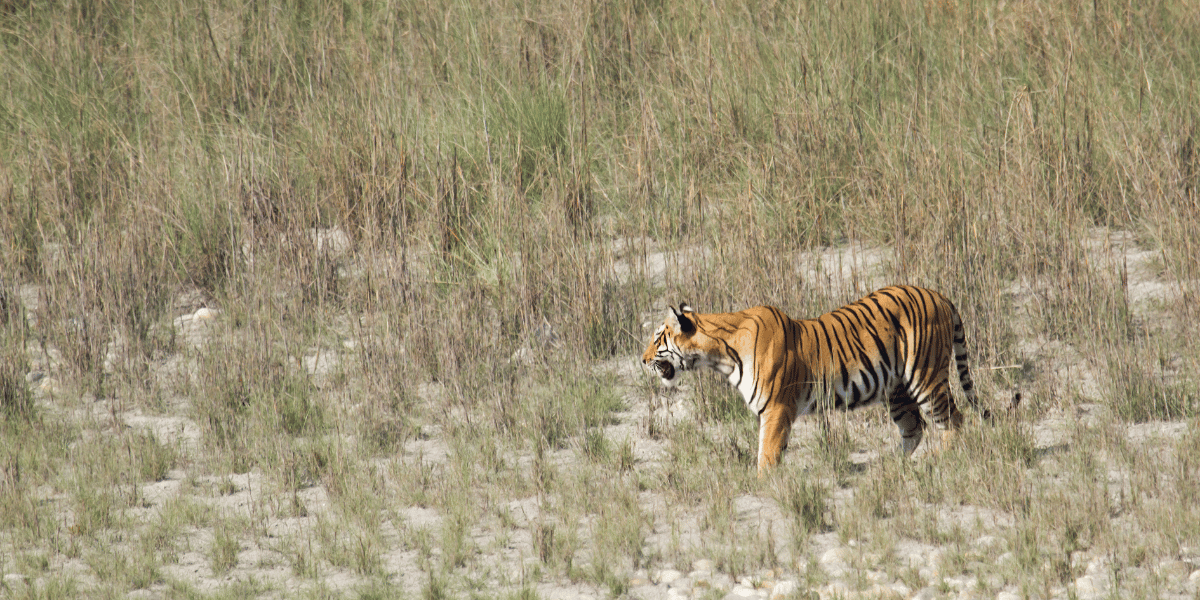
(845, 390)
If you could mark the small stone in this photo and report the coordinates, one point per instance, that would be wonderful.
(204, 313)
(720, 581)
(1172, 570)
(962, 583)
(783, 589)
(989, 543)
(928, 574)
(667, 576)
(1089, 587)
(678, 594)
(682, 584)
(1079, 560)
(49, 385)
(926, 593)
(702, 564)
(740, 591)
(838, 555)
(836, 561)
(1098, 565)
(1007, 595)
(1194, 578)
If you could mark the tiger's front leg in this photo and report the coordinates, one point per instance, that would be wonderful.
(774, 428)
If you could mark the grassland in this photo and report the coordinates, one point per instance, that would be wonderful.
(345, 300)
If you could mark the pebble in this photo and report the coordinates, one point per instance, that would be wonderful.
(1098, 565)
(678, 594)
(1172, 570)
(836, 589)
(1089, 586)
(741, 591)
(836, 561)
(989, 543)
(683, 584)
(783, 589)
(926, 593)
(667, 576)
(929, 574)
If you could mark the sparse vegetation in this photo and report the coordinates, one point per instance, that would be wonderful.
(355, 292)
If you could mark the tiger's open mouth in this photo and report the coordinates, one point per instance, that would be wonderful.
(665, 369)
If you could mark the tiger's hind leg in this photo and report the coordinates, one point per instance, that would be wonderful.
(945, 413)
(907, 415)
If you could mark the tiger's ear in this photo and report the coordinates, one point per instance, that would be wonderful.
(678, 320)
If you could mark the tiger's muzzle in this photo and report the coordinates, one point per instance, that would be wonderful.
(664, 368)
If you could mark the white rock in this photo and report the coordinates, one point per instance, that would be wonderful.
(878, 577)
(989, 543)
(204, 313)
(1090, 587)
(1194, 578)
(49, 385)
(678, 594)
(741, 591)
(1172, 570)
(1098, 566)
(682, 584)
(783, 589)
(929, 574)
(334, 241)
(666, 576)
(702, 564)
(13, 579)
(962, 583)
(1007, 595)
(719, 581)
(836, 561)
(926, 593)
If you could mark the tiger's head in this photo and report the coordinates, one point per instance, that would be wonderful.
(677, 345)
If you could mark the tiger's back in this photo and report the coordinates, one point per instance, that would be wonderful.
(893, 346)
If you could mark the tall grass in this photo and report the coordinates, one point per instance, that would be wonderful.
(463, 208)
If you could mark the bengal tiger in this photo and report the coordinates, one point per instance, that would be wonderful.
(894, 345)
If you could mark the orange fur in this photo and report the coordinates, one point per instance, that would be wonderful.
(894, 346)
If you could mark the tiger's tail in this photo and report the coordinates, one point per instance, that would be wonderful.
(964, 372)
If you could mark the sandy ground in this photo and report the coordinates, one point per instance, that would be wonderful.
(847, 568)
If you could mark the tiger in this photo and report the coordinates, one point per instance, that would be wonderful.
(894, 345)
